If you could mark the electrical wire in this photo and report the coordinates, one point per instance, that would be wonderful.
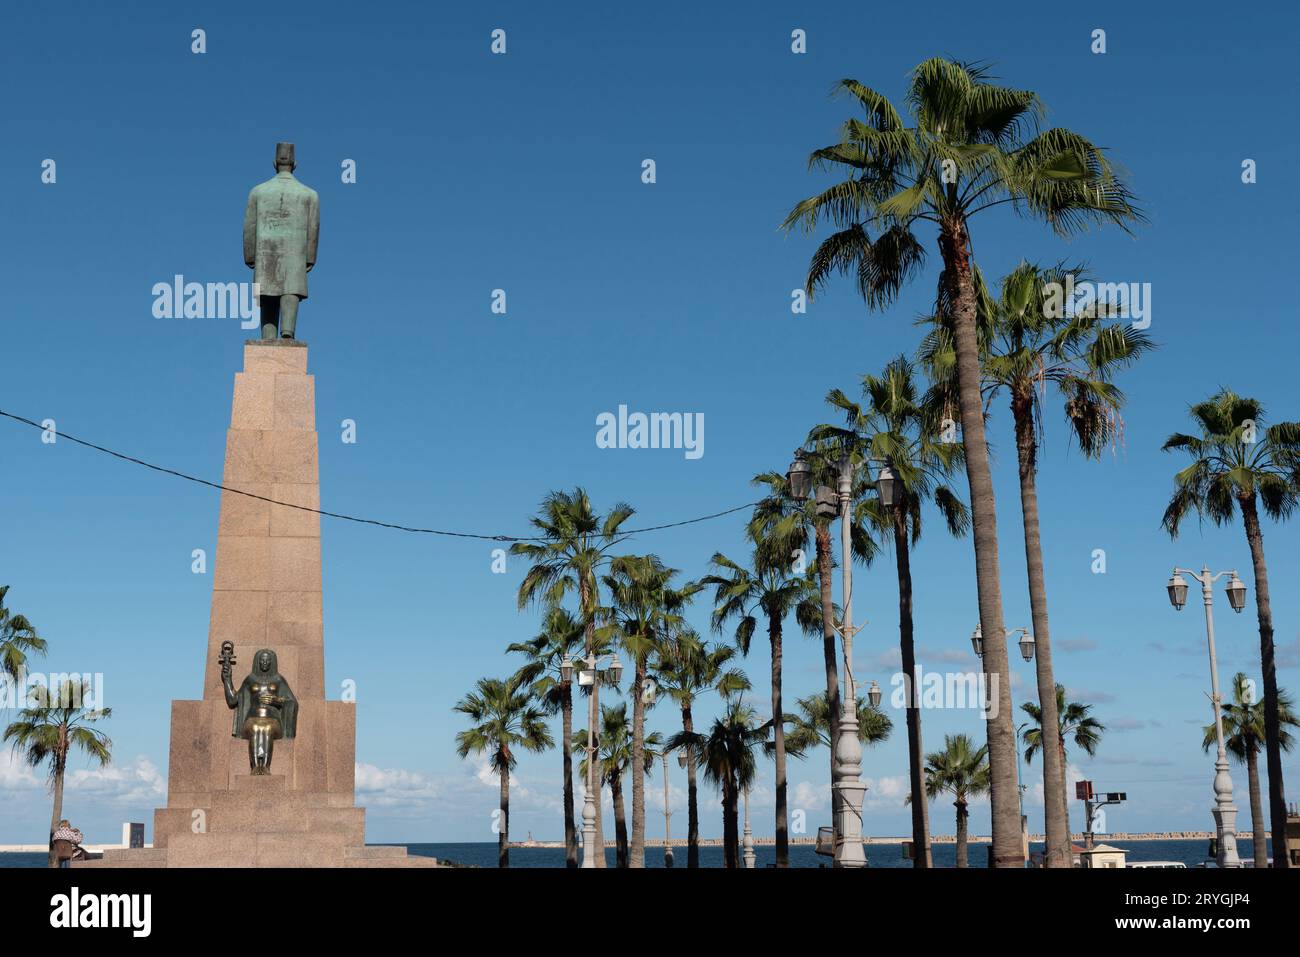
(353, 518)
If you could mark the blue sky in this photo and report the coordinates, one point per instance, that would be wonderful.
(522, 172)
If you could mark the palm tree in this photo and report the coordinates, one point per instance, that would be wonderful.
(18, 639)
(962, 770)
(643, 610)
(728, 754)
(573, 546)
(811, 727)
(614, 747)
(561, 638)
(1074, 721)
(970, 149)
(1238, 463)
(895, 427)
(1243, 731)
(780, 518)
(685, 668)
(56, 724)
(773, 590)
(1026, 343)
(504, 718)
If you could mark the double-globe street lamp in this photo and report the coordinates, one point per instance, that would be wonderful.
(1027, 652)
(1225, 813)
(588, 676)
(1026, 641)
(847, 785)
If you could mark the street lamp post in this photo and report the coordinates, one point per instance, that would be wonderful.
(588, 676)
(747, 844)
(668, 835)
(1027, 652)
(847, 784)
(1225, 813)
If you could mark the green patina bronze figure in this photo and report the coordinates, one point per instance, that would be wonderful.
(265, 708)
(281, 226)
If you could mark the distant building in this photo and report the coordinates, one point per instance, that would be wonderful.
(1099, 855)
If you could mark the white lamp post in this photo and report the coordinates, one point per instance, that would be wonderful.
(668, 835)
(588, 677)
(847, 784)
(747, 844)
(1225, 813)
(1026, 652)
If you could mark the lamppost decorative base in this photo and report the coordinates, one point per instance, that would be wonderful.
(848, 839)
(1225, 822)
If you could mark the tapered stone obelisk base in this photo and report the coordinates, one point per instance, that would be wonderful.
(266, 593)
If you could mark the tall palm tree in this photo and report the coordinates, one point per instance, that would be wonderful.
(18, 639)
(811, 726)
(771, 589)
(961, 770)
(1027, 342)
(561, 638)
(573, 545)
(1238, 464)
(505, 717)
(614, 749)
(780, 518)
(643, 611)
(1074, 721)
(728, 761)
(58, 723)
(686, 668)
(973, 146)
(892, 424)
(1243, 732)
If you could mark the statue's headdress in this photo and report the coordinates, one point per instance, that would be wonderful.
(284, 156)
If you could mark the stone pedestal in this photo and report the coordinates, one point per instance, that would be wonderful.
(266, 593)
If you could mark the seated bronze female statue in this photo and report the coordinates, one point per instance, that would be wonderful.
(265, 708)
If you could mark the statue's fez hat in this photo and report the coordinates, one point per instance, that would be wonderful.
(284, 154)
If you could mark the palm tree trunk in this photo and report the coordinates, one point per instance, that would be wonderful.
(60, 762)
(620, 821)
(1057, 853)
(636, 852)
(778, 738)
(1259, 835)
(692, 796)
(954, 245)
(824, 573)
(962, 817)
(503, 835)
(730, 827)
(1065, 773)
(915, 750)
(570, 829)
(1272, 723)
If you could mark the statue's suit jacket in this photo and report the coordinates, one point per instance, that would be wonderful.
(281, 226)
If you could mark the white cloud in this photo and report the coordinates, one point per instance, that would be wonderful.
(811, 796)
(16, 775)
(395, 789)
(886, 792)
(135, 783)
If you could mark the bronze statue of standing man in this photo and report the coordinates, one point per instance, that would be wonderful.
(281, 226)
